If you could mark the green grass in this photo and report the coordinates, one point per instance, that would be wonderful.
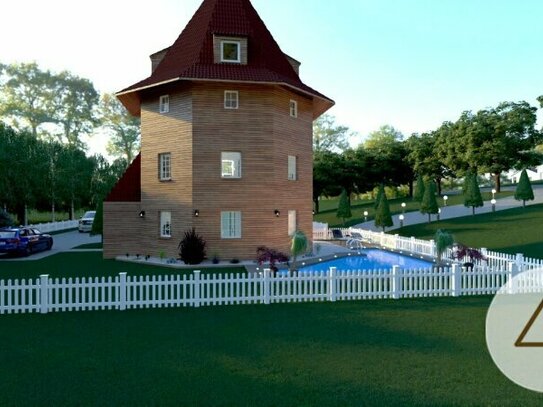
(410, 352)
(90, 246)
(512, 231)
(328, 208)
(89, 265)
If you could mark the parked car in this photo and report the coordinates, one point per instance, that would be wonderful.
(86, 221)
(24, 241)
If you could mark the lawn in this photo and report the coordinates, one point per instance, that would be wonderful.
(512, 231)
(409, 352)
(328, 208)
(89, 265)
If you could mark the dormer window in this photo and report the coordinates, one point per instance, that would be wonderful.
(164, 104)
(231, 52)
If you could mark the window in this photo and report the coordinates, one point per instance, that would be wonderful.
(292, 176)
(231, 165)
(165, 167)
(293, 108)
(230, 225)
(231, 51)
(292, 223)
(231, 99)
(165, 224)
(164, 104)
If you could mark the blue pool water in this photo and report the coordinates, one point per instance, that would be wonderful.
(371, 259)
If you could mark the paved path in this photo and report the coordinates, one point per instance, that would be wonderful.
(62, 242)
(457, 211)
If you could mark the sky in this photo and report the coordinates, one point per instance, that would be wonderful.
(409, 63)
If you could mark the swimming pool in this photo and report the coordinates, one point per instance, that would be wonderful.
(371, 259)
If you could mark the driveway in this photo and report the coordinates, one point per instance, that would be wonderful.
(62, 242)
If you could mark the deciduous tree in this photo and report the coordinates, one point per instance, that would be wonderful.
(328, 136)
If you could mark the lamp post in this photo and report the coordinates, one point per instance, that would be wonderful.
(401, 220)
(494, 194)
(445, 199)
(493, 202)
(366, 216)
(403, 207)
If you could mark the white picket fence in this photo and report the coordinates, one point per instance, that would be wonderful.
(124, 292)
(55, 226)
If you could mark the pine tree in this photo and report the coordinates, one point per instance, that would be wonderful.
(419, 189)
(429, 201)
(472, 193)
(383, 217)
(380, 192)
(344, 207)
(524, 191)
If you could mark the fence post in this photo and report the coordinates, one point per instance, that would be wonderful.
(520, 262)
(196, 289)
(433, 250)
(412, 245)
(266, 287)
(396, 240)
(44, 293)
(396, 282)
(122, 291)
(332, 284)
(512, 271)
(456, 280)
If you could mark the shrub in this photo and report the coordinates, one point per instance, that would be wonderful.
(271, 256)
(192, 248)
(234, 261)
(5, 219)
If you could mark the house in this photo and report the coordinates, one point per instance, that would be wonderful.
(226, 143)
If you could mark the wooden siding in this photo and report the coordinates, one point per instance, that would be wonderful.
(195, 131)
(122, 232)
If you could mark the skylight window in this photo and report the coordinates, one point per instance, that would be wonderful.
(231, 51)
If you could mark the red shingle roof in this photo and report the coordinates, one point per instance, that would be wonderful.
(192, 57)
(128, 188)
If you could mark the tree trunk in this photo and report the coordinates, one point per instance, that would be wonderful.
(20, 213)
(438, 182)
(473, 210)
(498, 182)
(411, 189)
(316, 201)
(523, 203)
(429, 218)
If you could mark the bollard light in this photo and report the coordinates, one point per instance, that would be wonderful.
(493, 202)
(445, 199)
(402, 218)
(366, 216)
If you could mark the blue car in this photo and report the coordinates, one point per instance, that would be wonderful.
(23, 241)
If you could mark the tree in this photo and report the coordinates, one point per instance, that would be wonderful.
(419, 189)
(299, 244)
(472, 193)
(429, 202)
(383, 218)
(327, 136)
(75, 103)
(5, 219)
(123, 128)
(26, 96)
(443, 240)
(344, 207)
(424, 159)
(325, 167)
(98, 223)
(524, 191)
(380, 193)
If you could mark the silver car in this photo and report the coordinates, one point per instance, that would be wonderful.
(85, 223)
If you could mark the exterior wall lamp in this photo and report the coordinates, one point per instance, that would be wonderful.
(277, 213)
(142, 214)
(196, 213)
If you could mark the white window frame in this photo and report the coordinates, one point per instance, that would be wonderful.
(165, 224)
(235, 163)
(231, 61)
(293, 108)
(231, 225)
(164, 104)
(231, 99)
(292, 168)
(165, 171)
(292, 223)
